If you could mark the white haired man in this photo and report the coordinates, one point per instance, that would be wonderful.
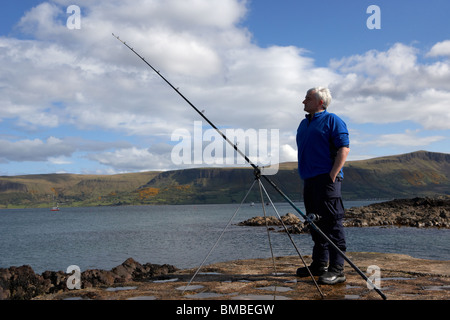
(323, 147)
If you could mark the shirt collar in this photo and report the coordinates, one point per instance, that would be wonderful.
(316, 115)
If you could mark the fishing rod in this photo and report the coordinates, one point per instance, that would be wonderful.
(258, 172)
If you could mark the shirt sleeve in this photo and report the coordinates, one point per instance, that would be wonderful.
(340, 136)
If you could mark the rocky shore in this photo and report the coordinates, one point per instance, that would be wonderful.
(416, 212)
(401, 278)
(22, 283)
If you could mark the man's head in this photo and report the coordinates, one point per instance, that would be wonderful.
(317, 99)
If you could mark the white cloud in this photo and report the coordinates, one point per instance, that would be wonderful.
(53, 149)
(133, 159)
(288, 153)
(440, 49)
(34, 150)
(100, 84)
(87, 79)
(398, 60)
(406, 139)
(391, 86)
(59, 160)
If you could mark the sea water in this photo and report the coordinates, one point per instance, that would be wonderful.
(104, 237)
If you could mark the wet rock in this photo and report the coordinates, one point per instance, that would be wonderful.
(288, 219)
(291, 219)
(402, 278)
(260, 221)
(293, 223)
(155, 270)
(22, 283)
(57, 279)
(416, 212)
(297, 229)
(96, 278)
(124, 272)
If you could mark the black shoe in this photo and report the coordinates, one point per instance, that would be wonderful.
(317, 269)
(335, 274)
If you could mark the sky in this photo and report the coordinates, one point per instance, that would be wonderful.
(75, 100)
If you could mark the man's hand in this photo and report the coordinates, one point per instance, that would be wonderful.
(339, 162)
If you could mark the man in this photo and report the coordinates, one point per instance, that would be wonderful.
(323, 146)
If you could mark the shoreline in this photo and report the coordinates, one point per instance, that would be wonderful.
(402, 278)
(61, 206)
(416, 212)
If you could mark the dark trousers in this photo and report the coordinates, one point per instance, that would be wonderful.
(322, 197)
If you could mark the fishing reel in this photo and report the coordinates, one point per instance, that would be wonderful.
(312, 217)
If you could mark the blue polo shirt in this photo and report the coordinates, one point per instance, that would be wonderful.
(318, 140)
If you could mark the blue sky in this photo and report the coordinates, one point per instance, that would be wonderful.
(78, 101)
(342, 31)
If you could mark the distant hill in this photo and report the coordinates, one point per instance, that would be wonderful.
(68, 189)
(414, 174)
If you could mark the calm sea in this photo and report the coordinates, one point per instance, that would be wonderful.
(104, 237)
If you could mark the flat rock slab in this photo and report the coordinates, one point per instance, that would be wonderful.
(401, 278)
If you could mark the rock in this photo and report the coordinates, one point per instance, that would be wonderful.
(291, 219)
(96, 278)
(155, 270)
(126, 270)
(21, 283)
(416, 212)
(297, 229)
(288, 219)
(403, 278)
(4, 284)
(58, 280)
(259, 222)
(293, 223)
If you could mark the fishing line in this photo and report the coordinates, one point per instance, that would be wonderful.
(258, 172)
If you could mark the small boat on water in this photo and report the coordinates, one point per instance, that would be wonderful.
(56, 206)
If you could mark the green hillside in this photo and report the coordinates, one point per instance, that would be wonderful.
(414, 174)
(68, 189)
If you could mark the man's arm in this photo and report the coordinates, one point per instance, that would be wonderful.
(339, 162)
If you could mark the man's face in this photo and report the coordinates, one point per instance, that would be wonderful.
(312, 103)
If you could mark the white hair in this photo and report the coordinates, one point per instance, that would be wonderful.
(323, 94)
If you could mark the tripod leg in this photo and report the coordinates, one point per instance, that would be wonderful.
(215, 244)
(292, 241)
(267, 226)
